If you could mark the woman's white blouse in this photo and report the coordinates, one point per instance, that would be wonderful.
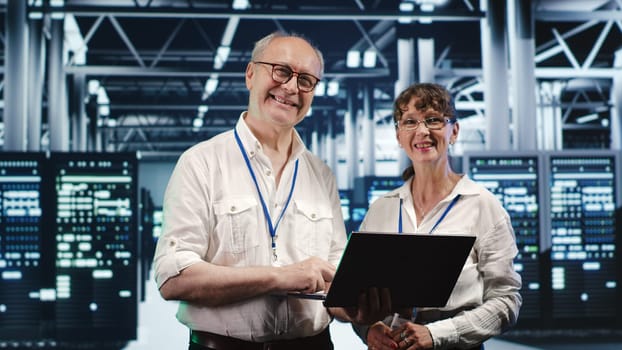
(488, 286)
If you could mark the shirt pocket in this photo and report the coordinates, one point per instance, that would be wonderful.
(236, 224)
(314, 228)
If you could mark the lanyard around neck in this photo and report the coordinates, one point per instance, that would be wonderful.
(453, 201)
(271, 228)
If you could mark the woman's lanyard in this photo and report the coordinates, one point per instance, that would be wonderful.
(453, 201)
(266, 213)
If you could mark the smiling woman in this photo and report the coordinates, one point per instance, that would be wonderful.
(432, 106)
(434, 199)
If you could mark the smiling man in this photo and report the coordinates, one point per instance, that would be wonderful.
(251, 214)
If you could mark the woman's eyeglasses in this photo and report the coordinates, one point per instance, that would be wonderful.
(432, 123)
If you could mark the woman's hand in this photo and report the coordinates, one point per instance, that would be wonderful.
(412, 336)
(380, 337)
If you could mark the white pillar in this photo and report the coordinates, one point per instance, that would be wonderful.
(58, 117)
(16, 77)
(549, 124)
(616, 99)
(78, 113)
(405, 77)
(331, 143)
(495, 69)
(369, 131)
(36, 79)
(351, 136)
(523, 78)
(425, 49)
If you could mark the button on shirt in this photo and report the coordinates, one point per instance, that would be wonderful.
(212, 212)
(488, 287)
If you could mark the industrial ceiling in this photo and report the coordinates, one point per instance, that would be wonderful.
(154, 58)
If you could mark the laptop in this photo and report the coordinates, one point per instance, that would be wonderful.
(418, 269)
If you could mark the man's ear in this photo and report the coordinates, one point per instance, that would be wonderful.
(250, 71)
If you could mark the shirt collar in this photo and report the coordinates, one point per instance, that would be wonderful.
(464, 187)
(252, 145)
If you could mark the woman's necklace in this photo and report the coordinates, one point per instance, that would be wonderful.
(420, 211)
(420, 208)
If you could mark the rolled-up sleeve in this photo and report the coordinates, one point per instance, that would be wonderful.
(183, 241)
(501, 299)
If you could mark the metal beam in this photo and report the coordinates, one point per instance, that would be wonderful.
(547, 73)
(329, 14)
(578, 16)
(193, 107)
(570, 73)
(181, 72)
(205, 128)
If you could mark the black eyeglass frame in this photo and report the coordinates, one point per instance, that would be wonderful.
(426, 122)
(291, 74)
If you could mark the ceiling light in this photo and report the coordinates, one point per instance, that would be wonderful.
(222, 54)
(333, 88)
(197, 122)
(587, 118)
(210, 86)
(369, 58)
(203, 109)
(104, 111)
(353, 59)
(57, 3)
(93, 86)
(429, 5)
(407, 6)
(102, 96)
(241, 4)
(35, 14)
(320, 89)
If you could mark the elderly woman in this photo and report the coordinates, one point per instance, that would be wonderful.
(436, 200)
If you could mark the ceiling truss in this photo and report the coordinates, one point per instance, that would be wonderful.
(154, 57)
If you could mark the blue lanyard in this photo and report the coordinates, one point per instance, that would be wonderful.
(399, 224)
(266, 213)
(453, 201)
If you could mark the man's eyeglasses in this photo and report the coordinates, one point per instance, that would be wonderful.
(432, 123)
(283, 74)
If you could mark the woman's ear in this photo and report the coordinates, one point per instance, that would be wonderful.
(454, 133)
(397, 137)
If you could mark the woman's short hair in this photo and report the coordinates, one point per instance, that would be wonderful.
(429, 96)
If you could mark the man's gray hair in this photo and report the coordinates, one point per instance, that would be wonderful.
(260, 46)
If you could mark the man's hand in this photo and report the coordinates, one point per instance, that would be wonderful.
(308, 276)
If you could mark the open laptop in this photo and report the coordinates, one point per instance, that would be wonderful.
(418, 269)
